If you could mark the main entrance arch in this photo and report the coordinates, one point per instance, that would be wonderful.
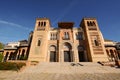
(53, 55)
(67, 52)
(81, 54)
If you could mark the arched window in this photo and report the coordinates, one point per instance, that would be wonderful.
(38, 23)
(41, 23)
(44, 23)
(91, 24)
(94, 23)
(39, 42)
(88, 23)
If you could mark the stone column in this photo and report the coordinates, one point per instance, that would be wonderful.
(8, 56)
(17, 55)
(116, 53)
(48, 56)
(76, 58)
(20, 54)
(61, 56)
(4, 57)
(25, 52)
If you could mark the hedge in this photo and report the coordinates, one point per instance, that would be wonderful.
(11, 65)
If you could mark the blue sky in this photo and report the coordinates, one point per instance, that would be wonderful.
(17, 17)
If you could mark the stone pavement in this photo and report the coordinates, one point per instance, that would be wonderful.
(63, 71)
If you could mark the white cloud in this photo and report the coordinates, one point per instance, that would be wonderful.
(14, 24)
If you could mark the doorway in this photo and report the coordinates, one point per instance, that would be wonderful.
(81, 56)
(67, 56)
(52, 56)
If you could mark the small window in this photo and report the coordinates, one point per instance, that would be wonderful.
(44, 23)
(38, 23)
(94, 23)
(53, 36)
(96, 43)
(39, 42)
(41, 23)
(88, 23)
(91, 24)
(66, 36)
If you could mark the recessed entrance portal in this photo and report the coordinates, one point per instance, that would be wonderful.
(81, 56)
(52, 56)
(67, 52)
(67, 56)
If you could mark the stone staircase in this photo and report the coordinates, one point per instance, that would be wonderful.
(69, 68)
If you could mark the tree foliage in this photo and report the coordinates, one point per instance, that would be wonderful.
(1, 57)
(1, 45)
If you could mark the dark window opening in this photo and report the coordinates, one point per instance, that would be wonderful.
(96, 43)
(67, 56)
(44, 23)
(94, 23)
(88, 23)
(38, 23)
(41, 23)
(81, 56)
(39, 42)
(91, 24)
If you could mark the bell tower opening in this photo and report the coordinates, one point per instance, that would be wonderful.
(42, 24)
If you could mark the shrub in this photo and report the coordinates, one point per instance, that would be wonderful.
(1, 57)
(23, 58)
(11, 65)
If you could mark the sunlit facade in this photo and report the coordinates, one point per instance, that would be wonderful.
(65, 43)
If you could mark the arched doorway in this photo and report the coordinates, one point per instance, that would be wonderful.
(11, 56)
(81, 54)
(53, 55)
(68, 57)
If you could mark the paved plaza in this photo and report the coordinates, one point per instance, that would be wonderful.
(63, 71)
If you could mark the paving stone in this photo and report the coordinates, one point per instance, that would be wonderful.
(63, 71)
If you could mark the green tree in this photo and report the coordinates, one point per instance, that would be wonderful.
(1, 55)
(1, 45)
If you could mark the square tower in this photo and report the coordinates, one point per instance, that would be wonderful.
(39, 41)
(94, 40)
